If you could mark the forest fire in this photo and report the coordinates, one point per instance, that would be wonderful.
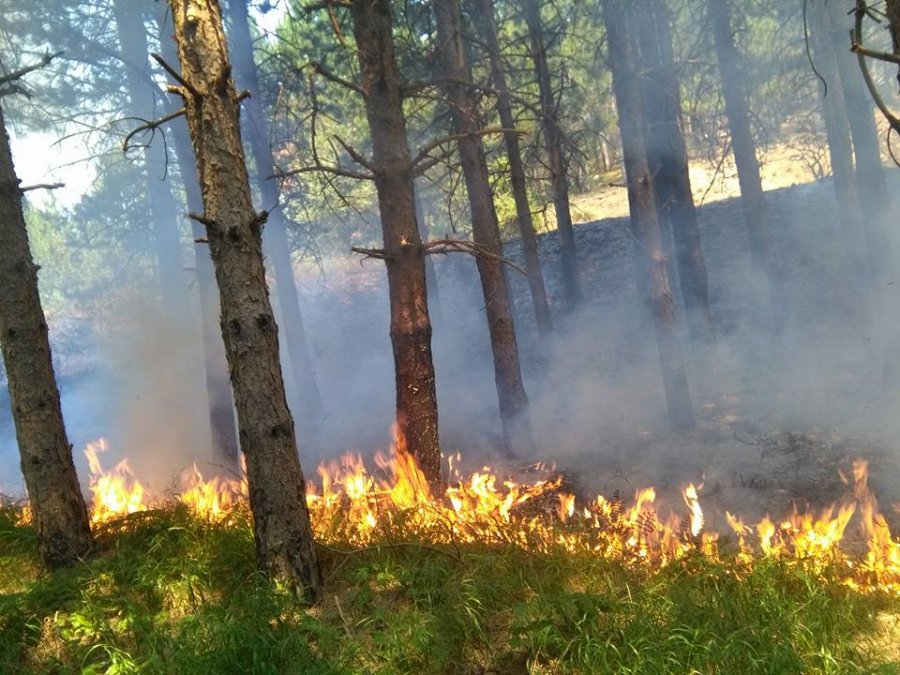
(352, 506)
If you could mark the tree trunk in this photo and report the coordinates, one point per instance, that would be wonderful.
(650, 257)
(57, 507)
(485, 230)
(870, 179)
(417, 411)
(556, 159)
(284, 542)
(516, 172)
(434, 298)
(668, 160)
(753, 201)
(133, 40)
(277, 247)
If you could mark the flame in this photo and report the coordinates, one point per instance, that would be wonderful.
(351, 506)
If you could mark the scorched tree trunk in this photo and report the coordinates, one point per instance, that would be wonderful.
(58, 510)
(417, 412)
(284, 542)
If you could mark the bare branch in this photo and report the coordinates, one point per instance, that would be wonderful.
(444, 140)
(175, 74)
(41, 186)
(377, 253)
(328, 75)
(22, 72)
(445, 246)
(356, 155)
(150, 125)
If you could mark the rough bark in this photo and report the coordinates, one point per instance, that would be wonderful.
(57, 506)
(649, 254)
(417, 412)
(668, 160)
(556, 158)
(133, 39)
(753, 201)
(485, 230)
(892, 9)
(517, 179)
(284, 543)
(276, 244)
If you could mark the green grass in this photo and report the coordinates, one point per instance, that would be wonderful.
(169, 593)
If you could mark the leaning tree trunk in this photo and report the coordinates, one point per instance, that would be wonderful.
(516, 172)
(668, 159)
(556, 158)
(277, 246)
(164, 210)
(650, 257)
(417, 412)
(58, 511)
(753, 200)
(485, 230)
(284, 543)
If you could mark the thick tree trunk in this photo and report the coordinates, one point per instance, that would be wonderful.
(516, 172)
(485, 230)
(417, 412)
(58, 509)
(277, 247)
(668, 159)
(649, 253)
(284, 542)
(753, 201)
(133, 39)
(556, 158)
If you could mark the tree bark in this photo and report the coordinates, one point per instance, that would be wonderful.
(284, 543)
(431, 282)
(650, 257)
(417, 411)
(556, 158)
(163, 207)
(57, 506)
(753, 200)
(668, 161)
(485, 230)
(276, 243)
(516, 172)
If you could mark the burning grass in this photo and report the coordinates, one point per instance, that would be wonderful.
(493, 576)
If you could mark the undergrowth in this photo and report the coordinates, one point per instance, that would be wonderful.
(170, 593)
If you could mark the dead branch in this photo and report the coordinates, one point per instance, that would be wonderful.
(445, 246)
(444, 140)
(150, 125)
(22, 72)
(334, 170)
(175, 74)
(337, 79)
(377, 253)
(355, 154)
(41, 186)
